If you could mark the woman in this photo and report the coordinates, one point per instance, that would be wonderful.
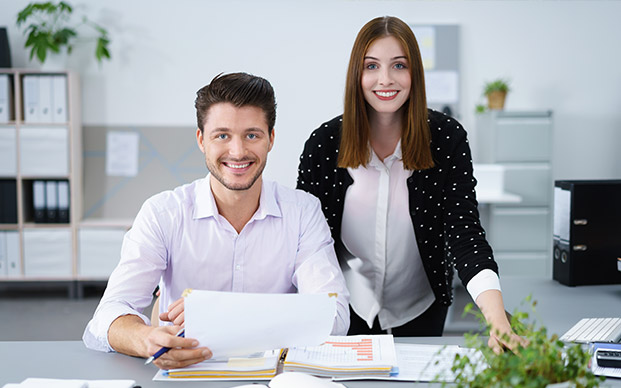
(396, 185)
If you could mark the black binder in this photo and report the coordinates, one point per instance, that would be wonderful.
(63, 201)
(8, 201)
(38, 201)
(587, 232)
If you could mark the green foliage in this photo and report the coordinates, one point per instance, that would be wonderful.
(50, 29)
(545, 360)
(480, 108)
(498, 85)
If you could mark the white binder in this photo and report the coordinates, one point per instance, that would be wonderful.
(5, 98)
(14, 268)
(45, 99)
(63, 201)
(51, 201)
(38, 201)
(59, 99)
(31, 98)
(3, 259)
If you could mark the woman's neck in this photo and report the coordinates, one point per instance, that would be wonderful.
(385, 132)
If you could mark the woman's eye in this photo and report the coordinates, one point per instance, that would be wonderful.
(371, 66)
(399, 66)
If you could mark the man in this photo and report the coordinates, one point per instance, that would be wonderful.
(230, 231)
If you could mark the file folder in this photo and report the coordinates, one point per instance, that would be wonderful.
(8, 201)
(14, 267)
(63, 201)
(45, 99)
(38, 201)
(5, 98)
(3, 258)
(59, 99)
(51, 201)
(31, 98)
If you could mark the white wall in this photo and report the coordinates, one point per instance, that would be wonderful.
(559, 55)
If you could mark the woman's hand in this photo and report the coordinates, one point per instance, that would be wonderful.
(501, 335)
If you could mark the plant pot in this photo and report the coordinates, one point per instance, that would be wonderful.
(53, 61)
(496, 100)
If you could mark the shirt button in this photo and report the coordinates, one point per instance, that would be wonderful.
(237, 267)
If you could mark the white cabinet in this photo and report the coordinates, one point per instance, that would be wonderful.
(521, 233)
(99, 251)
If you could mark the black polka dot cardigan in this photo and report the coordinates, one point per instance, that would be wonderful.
(442, 201)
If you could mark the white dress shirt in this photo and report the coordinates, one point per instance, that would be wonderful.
(381, 261)
(181, 241)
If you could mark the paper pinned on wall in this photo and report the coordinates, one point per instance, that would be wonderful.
(122, 153)
(426, 38)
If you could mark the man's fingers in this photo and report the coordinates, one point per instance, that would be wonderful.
(179, 358)
(180, 319)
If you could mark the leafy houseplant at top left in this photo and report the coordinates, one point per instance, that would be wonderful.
(50, 30)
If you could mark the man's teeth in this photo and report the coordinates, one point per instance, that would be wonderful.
(238, 165)
(386, 94)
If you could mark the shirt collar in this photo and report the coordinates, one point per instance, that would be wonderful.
(389, 160)
(205, 203)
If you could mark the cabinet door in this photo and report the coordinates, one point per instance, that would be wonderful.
(523, 140)
(44, 151)
(519, 229)
(532, 182)
(47, 252)
(8, 154)
(99, 251)
(531, 264)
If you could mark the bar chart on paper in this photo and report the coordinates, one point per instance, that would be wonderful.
(345, 356)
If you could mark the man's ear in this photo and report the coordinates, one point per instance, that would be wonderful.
(199, 140)
(271, 140)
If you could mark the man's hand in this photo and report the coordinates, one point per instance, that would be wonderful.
(128, 334)
(175, 313)
(183, 351)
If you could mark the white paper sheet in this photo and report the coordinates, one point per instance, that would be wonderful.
(233, 324)
(427, 362)
(122, 153)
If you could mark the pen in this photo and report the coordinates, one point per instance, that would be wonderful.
(163, 350)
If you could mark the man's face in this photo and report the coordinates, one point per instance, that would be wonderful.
(235, 142)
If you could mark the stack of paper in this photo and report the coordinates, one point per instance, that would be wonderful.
(71, 383)
(260, 366)
(353, 356)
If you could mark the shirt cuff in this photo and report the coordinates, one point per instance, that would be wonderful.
(483, 281)
(96, 333)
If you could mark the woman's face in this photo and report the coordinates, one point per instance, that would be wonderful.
(386, 76)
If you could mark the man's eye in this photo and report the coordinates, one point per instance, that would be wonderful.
(222, 136)
(252, 136)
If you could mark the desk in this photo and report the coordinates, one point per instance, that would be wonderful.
(70, 359)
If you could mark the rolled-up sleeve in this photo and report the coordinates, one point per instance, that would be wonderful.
(317, 268)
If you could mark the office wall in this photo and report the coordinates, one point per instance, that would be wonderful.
(559, 55)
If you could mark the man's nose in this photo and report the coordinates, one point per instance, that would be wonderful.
(237, 147)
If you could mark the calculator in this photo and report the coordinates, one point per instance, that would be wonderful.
(608, 358)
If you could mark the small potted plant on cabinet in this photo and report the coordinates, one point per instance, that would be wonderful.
(50, 30)
(496, 92)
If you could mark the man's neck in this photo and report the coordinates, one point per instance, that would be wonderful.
(237, 206)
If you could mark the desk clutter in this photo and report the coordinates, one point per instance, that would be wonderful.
(362, 357)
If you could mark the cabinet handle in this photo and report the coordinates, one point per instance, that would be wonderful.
(580, 222)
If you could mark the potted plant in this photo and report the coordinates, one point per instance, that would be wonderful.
(50, 30)
(544, 361)
(496, 92)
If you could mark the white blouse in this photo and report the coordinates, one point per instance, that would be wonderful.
(381, 261)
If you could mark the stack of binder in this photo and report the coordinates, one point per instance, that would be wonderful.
(6, 98)
(50, 200)
(8, 201)
(45, 98)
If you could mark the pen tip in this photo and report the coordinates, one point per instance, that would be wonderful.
(149, 360)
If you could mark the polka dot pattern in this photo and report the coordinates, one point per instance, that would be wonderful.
(443, 202)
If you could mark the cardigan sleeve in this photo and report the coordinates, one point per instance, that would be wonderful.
(465, 237)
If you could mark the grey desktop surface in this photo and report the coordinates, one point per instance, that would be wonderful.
(559, 307)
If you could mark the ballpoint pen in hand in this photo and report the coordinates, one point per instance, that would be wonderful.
(163, 350)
